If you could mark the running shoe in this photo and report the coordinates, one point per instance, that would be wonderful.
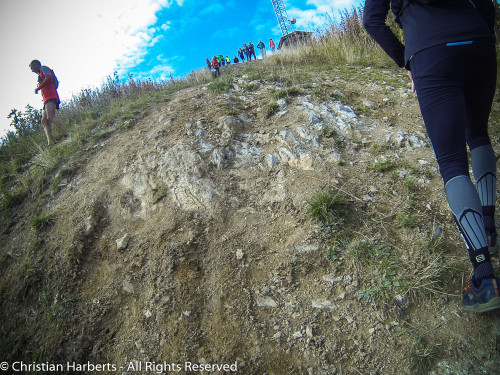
(484, 298)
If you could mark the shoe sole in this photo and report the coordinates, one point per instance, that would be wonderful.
(492, 304)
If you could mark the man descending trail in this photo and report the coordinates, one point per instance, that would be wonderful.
(450, 56)
(47, 83)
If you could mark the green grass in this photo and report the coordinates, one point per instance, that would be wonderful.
(28, 276)
(45, 298)
(405, 219)
(271, 109)
(9, 199)
(370, 253)
(384, 166)
(327, 207)
(40, 223)
(422, 355)
(73, 255)
(287, 93)
(220, 86)
(60, 310)
(63, 174)
(378, 149)
(252, 87)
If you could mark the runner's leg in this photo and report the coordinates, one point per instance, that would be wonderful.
(439, 82)
(46, 126)
(50, 108)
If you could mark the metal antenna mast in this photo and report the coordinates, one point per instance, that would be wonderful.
(279, 9)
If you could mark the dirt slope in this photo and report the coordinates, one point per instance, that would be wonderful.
(186, 238)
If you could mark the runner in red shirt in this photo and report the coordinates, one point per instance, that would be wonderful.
(50, 98)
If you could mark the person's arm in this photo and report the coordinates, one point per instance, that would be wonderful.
(487, 10)
(374, 16)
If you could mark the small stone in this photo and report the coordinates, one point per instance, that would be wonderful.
(322, 304)
(297, 335)
(122, 243)
(308, 248)
(309, 332)
(266, 302)
(271, 161)
(127, 286)
(239, 254)
(332, 280)
(148, 314)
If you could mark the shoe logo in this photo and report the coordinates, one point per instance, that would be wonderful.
(480, 258)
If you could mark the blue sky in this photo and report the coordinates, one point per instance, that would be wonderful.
(85, 42)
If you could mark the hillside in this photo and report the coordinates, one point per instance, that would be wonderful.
(290, 221)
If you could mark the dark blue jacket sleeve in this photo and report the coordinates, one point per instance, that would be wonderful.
(487, 10)
(374, 16)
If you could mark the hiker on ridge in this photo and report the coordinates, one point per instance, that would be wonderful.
(221, 60)
(47, 83)
(242, 56)
(262, 48)
(251, 51)
(450, 56)
(272, 45)
(246, 51)
(215, 65)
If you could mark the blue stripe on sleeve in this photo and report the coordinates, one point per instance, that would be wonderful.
(459, 43)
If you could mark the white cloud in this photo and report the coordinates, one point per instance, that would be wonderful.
(211, 9)
(332, 7)
(160, 72)
(82, 41)
(324, 12)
